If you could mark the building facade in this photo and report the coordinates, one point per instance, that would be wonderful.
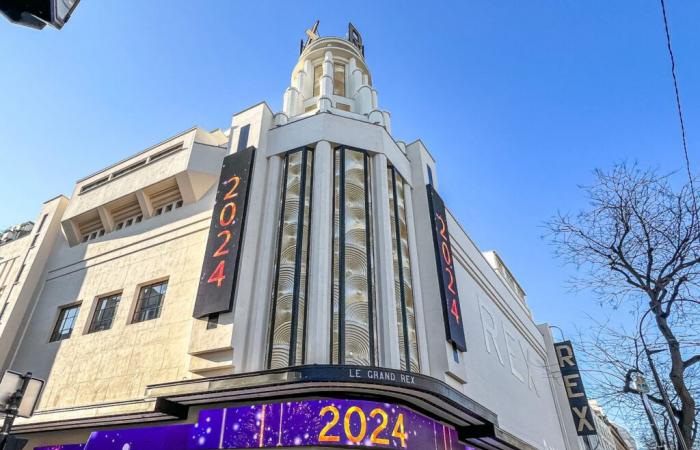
(323, 296)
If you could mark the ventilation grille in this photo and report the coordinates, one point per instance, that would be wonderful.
(165, 193)
(125, 208)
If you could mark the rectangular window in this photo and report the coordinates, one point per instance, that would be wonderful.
(339, 79)
(150, 302)
(318, 72)
(104, 313)
(65, 323)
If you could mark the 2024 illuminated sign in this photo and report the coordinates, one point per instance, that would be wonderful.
(447, 279)
(342, 423)
(217, 283)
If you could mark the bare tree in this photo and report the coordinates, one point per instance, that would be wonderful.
(639, 241)
(608, 349)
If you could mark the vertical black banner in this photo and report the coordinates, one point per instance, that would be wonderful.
(446, 271)
(217, 284)
(578, 402)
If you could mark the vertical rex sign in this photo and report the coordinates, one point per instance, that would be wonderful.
(217, 284)
(576, 394)
(447, 279)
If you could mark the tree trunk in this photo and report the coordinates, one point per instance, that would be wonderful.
(686, 418)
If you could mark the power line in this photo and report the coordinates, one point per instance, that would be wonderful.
(678, 102)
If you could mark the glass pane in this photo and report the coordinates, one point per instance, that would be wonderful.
(339, 79)
(104, 313)
(318, 72)
(65, 323)
(150, 302)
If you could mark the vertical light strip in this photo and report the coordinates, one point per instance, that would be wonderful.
(414, 361)
(287, 332)
(304, 260)
(298, 255)
(341, 259)
(405, 307)
(352, 321)
(368, 252)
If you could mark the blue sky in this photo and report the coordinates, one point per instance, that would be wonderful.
(518, 101)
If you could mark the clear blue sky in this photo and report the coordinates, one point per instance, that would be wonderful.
(517, 100)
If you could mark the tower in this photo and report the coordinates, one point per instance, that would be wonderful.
(331, 76)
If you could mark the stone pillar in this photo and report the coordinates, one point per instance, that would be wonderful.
(324, 99)
(387, 323)
(415, 279)
(320, 272)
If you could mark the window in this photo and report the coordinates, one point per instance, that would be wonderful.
(352, 332)
(65, 323)
(104, 313)
(339, 79)
(403, 287)
(287, 333)
(318, 72)
(150, 302)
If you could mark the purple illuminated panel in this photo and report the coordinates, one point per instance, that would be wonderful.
(327, 423)
(62, 447)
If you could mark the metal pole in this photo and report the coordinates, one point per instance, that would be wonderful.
(645, 403)
(11, 410)
(652, 420)
(664, 395)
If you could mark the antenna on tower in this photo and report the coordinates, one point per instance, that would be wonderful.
(355, 37)
(311, 35)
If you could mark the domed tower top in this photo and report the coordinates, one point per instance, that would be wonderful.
(331, 76)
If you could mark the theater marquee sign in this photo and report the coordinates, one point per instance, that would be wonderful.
(578, 402)
(329, 422)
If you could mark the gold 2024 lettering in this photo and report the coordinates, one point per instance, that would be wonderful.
(356, 415)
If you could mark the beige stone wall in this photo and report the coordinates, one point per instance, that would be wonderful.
(117, 364)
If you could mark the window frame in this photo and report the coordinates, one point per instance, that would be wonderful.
(134, 317)
(96, 310)
(53, 337)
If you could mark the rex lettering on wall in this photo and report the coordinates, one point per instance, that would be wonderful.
(575, 392)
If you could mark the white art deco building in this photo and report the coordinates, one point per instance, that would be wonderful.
(310, 290)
